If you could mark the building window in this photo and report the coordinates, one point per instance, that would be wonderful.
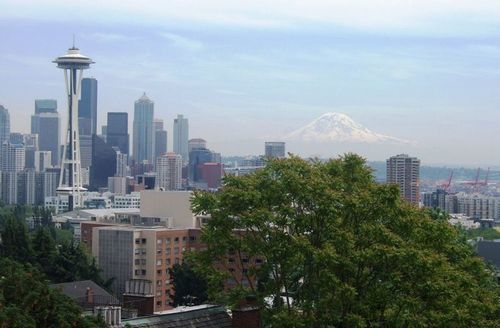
(176, 250)
(137, 240)
(258, 261)
(158, 251)
(158, 293)
(231, 260)
(143, 240)
(158, 241)
(158, 262)
(176, 260)
(167, 261)
(158, 283)
(167, 251)
(158, 303)
(192, 239)
(137, 261)
(143, 261)
(176, 240)
(143, 272)
(244, 260)
(158, 272)
(168, 240)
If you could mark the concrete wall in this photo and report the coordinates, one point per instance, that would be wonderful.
(168, 204)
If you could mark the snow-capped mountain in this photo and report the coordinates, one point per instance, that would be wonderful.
(338, 127)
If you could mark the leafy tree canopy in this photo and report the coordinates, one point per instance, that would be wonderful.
(189, 286)
(340, 251)
(27, 301)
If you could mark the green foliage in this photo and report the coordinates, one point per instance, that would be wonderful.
(60, 261)
(16, 243)
(486, 233)
(190, 287)
(27, 301)
(340, 250)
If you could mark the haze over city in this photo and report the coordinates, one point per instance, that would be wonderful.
(246, 72)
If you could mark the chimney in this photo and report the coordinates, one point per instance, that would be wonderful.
(89, 294)
(247, 314)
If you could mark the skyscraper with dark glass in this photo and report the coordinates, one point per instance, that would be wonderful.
(143, 130)
(117, 131)
(87, 108)
(103, 163)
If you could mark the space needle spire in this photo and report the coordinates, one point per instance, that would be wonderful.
(70, 181)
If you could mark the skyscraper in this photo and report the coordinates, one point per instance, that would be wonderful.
(196, 143)
(181, 137)
(42, 160)
(45, 106)
(103, 163)
(198, 157)
(87, 108)
(31, 146)
(46, 123)
(117, 131)
(160, 138)
(70, 184)
(4, 125)
(275, 149)
(404, 171)
(12, 157)
(169, 172)
(143, 130)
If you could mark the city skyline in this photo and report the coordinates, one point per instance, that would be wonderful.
(271, 74)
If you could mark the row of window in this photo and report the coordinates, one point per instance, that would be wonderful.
(168, 240)
(168, 251)
(167, 262)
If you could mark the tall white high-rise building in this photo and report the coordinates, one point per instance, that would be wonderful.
(181, 138)
(169, 172)
(12, 157)
(4, 125)
(70, 182)
(404, 171)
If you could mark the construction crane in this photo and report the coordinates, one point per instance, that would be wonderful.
(476, 183)
(446, 186)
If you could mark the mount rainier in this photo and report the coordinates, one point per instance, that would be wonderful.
(337, 127)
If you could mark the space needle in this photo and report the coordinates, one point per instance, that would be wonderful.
(70, 181)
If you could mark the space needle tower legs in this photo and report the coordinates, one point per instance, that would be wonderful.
(70, 180)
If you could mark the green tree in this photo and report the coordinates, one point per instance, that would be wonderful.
(340, 250)
(45, 251)
(189, 286)
(27, 301)
(16, 242)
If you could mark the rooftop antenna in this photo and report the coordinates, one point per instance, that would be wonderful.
(73, 40)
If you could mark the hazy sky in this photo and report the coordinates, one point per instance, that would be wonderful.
(247, 71)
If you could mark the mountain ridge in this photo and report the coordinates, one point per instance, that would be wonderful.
(338, 127)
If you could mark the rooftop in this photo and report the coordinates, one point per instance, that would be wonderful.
(208, 316)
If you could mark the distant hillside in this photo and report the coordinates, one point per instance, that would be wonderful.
(436, 173)
(433, 173)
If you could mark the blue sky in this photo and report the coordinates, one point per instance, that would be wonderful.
(247, 71)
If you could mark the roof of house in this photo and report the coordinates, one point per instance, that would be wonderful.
(77, 290)
(207, 316)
